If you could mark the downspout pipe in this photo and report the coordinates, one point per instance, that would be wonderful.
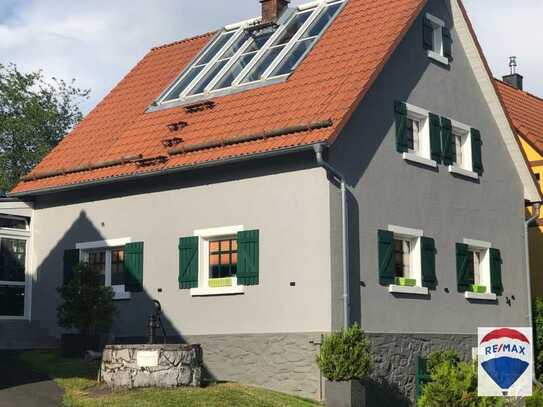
(535, 215)
(319, 149)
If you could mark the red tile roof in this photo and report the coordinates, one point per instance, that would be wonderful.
(526, 112)
(328, 85)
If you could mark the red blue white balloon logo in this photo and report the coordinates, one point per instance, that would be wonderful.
(505, 356)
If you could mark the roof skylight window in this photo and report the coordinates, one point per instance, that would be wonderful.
(245, 55)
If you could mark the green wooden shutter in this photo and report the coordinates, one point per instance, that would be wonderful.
(188, 262)
(386, 257)
(248, 257)
(447, 141)
(435, 137)
(496, 271)
(422, 376)
(70, 260)
(428, 262)
(464, 279)
(427, 34)
(400, 114)
(476, 155)
(133, 266)
(447, 43)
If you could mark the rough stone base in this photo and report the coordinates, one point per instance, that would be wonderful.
(282, 362)
(392, 382)
(178, 365)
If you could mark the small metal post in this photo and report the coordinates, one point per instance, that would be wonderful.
(320, 371)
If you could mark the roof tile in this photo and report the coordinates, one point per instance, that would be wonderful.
(326, 85)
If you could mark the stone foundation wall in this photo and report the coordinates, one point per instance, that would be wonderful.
(176, 365)
(393, 377)
(282, 362)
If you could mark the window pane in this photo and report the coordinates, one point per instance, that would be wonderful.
(188, 78)
(223, 261)
(235, 70)
(199, 88)
(216, 47)
(255, 74)
(12, 301)
(292, 58)
(293, 27)
(13, 223)
(398, 256)
(12, 259)
(117, 267)
(97, 262)
(236, 45)
(322, 20)
(258, 41)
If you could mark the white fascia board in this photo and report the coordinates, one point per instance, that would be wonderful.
(485, 81)
(245, 23)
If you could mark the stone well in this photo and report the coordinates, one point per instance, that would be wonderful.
(131, 366)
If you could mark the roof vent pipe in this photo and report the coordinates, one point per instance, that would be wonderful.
(513, 79)
(272, 10)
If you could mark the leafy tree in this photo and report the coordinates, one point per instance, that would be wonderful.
(87, 305)
(345, 355)
(34, 116)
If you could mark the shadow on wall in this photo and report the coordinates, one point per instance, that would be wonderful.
(50, 276)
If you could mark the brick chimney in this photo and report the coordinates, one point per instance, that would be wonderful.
(272, 9)
(513, 79)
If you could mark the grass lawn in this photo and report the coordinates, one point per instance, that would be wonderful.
(78, 379)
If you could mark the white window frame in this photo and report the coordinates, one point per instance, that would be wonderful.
(484, 269)
(466, 167)
(204, 237)
(437, 53)
(107, 246)
(414, 235)
(25, 235)
(423, 156)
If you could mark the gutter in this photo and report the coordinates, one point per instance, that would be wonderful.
(318, 148)
(175, 170)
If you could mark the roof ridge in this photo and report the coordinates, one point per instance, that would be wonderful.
(539, 98)
(171, 44)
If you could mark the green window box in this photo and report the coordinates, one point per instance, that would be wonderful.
(220, 282)
(406, 282)
(480, 289)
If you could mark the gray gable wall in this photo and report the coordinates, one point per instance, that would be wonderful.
(385, 190)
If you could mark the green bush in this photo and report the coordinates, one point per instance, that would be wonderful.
(345, 355)
(536, 400)
(453, 384)
(437, 358)
(537, 315)
(86, 305)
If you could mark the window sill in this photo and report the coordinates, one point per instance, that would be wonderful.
(200, 292)
(461, 171)
(120, 293)
(480, 296)
(400, 289)
(12, 318)
(419, 160)
(438, 57)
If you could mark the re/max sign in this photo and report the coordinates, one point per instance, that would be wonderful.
(505, 347)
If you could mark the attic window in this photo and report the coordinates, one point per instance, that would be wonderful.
(244, 55)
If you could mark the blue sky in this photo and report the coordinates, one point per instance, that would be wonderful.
(98, 41)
